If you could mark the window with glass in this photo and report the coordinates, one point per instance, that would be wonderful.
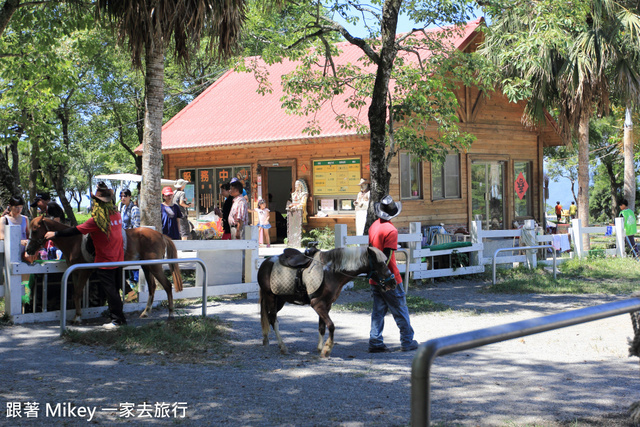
(410, 176)
(522, 194)
(445, 178)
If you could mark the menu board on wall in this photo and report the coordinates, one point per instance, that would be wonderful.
(336, 177)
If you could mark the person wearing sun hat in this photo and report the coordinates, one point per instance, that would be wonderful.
(384, 236)
(180, 199)
(105, 228)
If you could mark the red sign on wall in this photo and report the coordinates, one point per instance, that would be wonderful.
(521, 186)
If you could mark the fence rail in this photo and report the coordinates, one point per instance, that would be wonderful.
(94, 265)
(428, 351)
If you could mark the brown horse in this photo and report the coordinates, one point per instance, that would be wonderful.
(336, 268)
(141, 244)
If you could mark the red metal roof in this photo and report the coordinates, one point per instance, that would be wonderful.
(231, 111)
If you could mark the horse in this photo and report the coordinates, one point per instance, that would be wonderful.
(141, 244)
(333, 269)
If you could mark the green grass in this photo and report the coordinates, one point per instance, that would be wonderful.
(415, 304)
(589, 276)
(81, 217)
(191, 339)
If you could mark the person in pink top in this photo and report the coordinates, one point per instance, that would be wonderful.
(239, 214)
(384, 236)
(105, 228)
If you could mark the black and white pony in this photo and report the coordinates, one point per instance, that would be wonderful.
(319, 284)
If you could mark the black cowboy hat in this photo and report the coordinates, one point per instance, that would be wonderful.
(387, 209)
(103, 192)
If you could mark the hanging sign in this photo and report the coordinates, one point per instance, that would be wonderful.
(521, 186)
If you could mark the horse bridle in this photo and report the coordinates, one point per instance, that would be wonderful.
(373, 274)
(40, 242)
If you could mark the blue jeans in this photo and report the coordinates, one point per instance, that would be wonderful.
(394, 301)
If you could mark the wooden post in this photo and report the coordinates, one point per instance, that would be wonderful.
(251, 259)
(621, 239)
(576, 226)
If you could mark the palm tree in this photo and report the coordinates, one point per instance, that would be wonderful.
(150, 26)
(566, 57)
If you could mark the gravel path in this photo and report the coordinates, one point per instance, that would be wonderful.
(581, 372)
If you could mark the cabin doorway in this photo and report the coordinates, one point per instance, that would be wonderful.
(487, 193)
(277, 184)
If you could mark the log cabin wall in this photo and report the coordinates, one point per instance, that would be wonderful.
(494, 121)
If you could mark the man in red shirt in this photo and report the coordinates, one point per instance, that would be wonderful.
(105, 228)
(384, 236)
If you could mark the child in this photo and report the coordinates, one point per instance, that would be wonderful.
(263, 221)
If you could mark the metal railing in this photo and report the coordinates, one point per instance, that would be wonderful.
(495, 254)
(427, 352)
(94, 265)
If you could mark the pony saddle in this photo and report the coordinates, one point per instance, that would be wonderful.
(293, 258)
(306, 275)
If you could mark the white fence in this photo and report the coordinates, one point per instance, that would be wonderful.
(233, 264)
(483, 246)
(232, 268)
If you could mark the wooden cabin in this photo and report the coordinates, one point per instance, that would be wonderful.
(230, 130)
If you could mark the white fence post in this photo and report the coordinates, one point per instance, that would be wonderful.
(621, 239)
(576, 225)
(251, 259)
(13, 282)
(476, 237)
(340, 234)
(529, 238)
(414, 227)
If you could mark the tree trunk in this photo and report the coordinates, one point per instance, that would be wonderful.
(629, 165)
(152, 139)
(35, 168)
(8, 184)
(58, 177)
(379, 162)
(614, 187)
(6, 12)
(583, 175)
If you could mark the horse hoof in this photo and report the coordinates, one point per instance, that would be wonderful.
(76, 321)
(144, 314)
(283, 350)
(265, 341)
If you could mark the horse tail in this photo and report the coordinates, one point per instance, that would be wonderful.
(172, 252)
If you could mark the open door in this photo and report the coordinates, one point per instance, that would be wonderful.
(277, 185)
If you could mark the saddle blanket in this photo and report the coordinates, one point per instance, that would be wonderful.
(283, 279)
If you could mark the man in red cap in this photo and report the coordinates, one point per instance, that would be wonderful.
(105, 228)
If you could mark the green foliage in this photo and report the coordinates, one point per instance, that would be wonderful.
(186, 339)
(422, 104)
(324, 236)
